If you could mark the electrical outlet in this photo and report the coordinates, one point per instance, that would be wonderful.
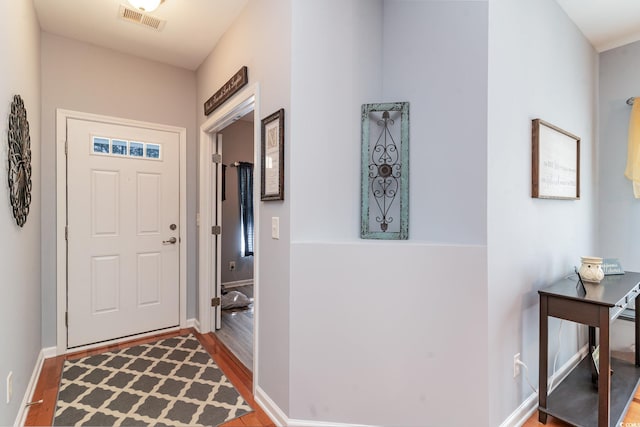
(232, 265)
(516, 365)
(9, 387)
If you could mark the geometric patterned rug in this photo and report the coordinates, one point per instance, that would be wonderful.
(171, 382)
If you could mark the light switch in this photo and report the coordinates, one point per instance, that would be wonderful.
(275, 227)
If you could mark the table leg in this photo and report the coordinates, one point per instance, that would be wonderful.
(592, 346)
(543, 359)
(637, 310)
(604, 377)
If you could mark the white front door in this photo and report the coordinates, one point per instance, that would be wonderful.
(123, 231)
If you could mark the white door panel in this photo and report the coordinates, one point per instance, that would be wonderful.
(122, 278)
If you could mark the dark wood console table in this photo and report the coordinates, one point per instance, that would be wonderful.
(577, 400)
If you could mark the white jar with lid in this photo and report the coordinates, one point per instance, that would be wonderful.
(591, 269)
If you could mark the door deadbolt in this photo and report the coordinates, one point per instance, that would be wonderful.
(173, 226)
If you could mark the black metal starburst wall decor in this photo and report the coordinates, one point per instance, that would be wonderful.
(19, 161)
(385, 171)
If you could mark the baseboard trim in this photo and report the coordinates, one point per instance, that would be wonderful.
(280, 418)
(530, 404)
(304, 423)
(523, 413)
(270, 408)
(50, 352)
(21, 417)
(194, 323)
(237, 283)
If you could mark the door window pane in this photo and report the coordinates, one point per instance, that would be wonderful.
(153, 151)
(122, 147)
(119, 147)
(101, 145)
(136, 149)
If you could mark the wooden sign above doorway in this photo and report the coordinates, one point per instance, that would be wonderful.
(233, 85)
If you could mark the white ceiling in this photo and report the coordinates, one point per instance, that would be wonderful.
(192, 30)
(606, 23)
(194, 26)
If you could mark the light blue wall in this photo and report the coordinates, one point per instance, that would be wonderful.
(619, 211)
(470, 150)
(540, 66)
(20, 247)
(333, 73)
(435, 57)
(385, 308)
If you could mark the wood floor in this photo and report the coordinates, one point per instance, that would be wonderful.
(237, 334)
(238, 374)
(237, 329)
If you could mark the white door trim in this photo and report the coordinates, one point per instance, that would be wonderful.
(247, 99)
(61, 211)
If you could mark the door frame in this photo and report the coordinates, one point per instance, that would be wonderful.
(62, 116)
(238, 105)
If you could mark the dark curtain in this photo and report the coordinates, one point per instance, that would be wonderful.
(245, 188)
(224, 182)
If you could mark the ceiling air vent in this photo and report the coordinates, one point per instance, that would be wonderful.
(134, 15)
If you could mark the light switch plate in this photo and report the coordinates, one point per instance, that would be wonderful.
(275, 227)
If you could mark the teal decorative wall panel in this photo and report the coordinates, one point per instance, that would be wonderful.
(385, 171)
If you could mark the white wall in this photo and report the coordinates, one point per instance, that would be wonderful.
(82, 77)
(20, 247)
(540, 66)
(619, 211)
(261, 39)
(237, 146)
(376, 335)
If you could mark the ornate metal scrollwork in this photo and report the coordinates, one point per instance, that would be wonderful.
(19, 161)
(385, 171)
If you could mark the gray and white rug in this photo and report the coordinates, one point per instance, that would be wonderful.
(171, 382)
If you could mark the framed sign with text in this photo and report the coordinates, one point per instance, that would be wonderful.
(234, 84)
(612, 266)
(555, 166)
(272, 145)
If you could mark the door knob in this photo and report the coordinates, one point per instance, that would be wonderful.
(171, 241)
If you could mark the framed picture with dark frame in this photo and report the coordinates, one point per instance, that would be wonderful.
(555, 165)
(272, 186)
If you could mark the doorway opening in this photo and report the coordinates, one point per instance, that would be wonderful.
(237, 238)
(211, 222)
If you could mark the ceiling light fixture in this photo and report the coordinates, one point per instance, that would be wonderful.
(146, 5)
